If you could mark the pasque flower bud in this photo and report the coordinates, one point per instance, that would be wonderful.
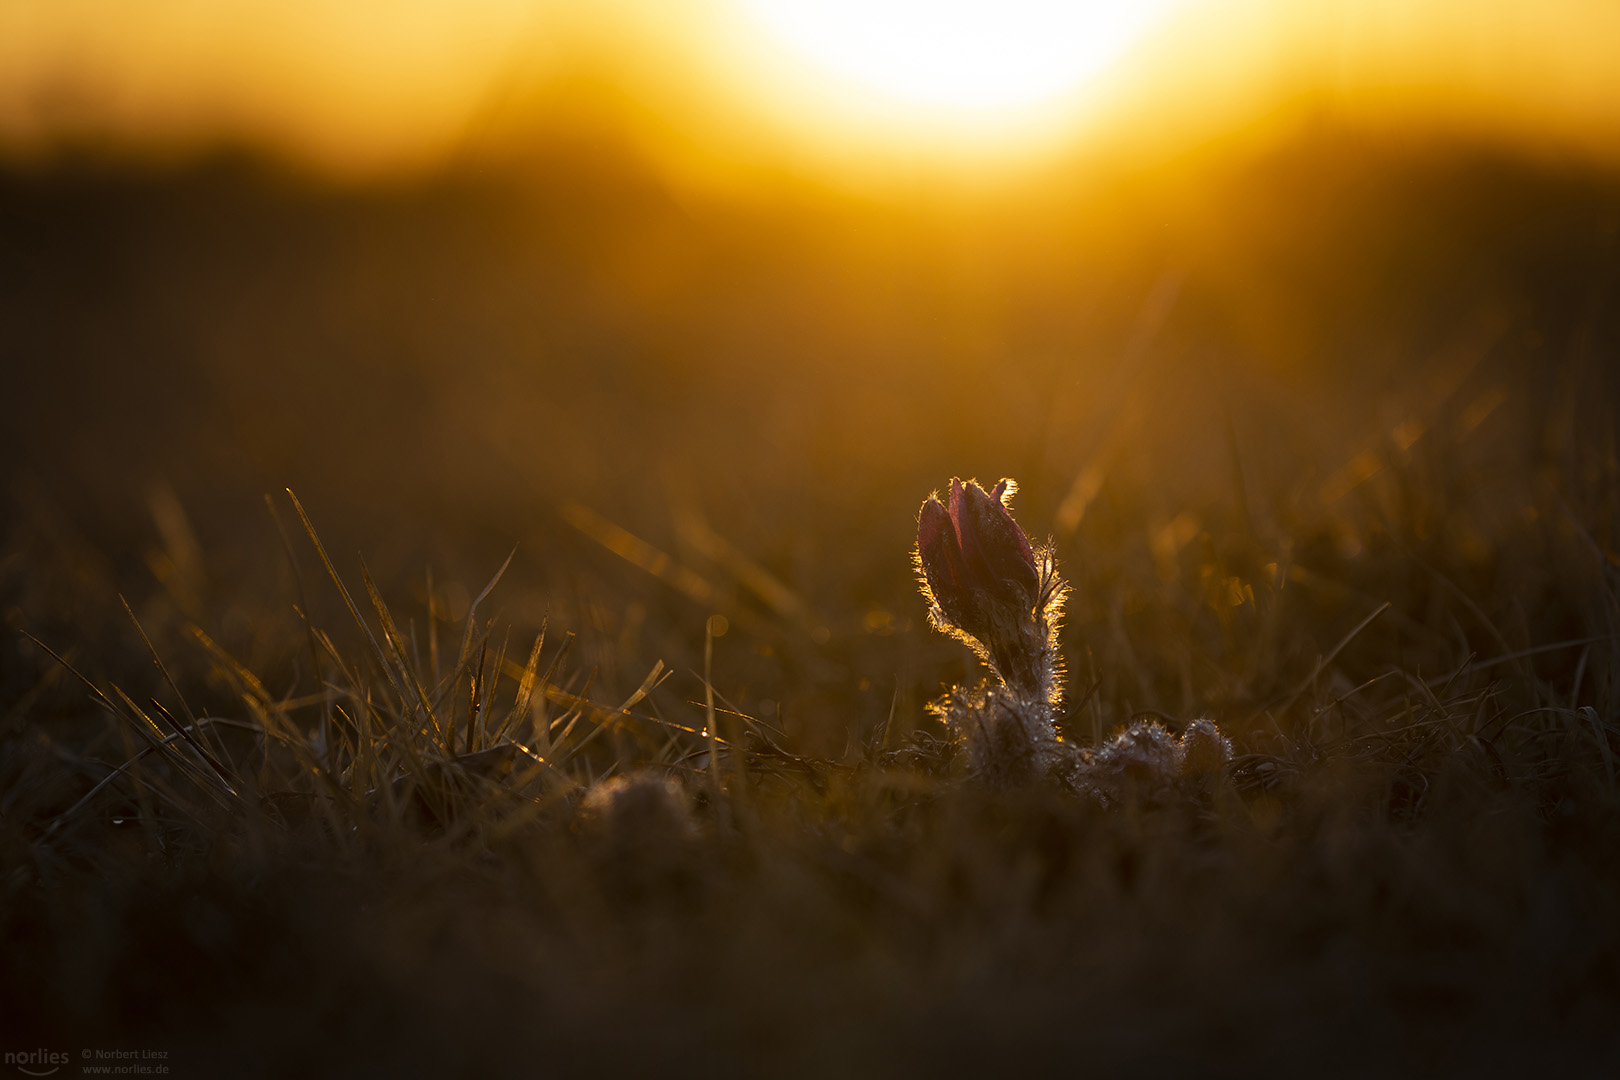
(989, 587)
(976, 559)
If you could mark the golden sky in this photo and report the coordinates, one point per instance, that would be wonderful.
(377, 85)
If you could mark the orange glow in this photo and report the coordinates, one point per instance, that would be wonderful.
(369, 86)
(350, 85)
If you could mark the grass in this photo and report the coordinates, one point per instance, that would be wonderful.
(661, 791)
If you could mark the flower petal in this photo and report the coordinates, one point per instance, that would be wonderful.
(995, 551)
(941, 559)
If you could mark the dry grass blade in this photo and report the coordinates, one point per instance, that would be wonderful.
(489, 679)
(1539, 650)
(396, 647)
(273, 721)
(472, 610)
(1322, 665)
(208, 779)
(606, 718)
(475, 696)
(133, 716)
(1590, 715)
(638, 552)
(654, 679)
(526, 684)
(540, 730)
(711, 721)
(1471, 605)
(303, 592)
(343, 591)
(695, 530)
(88, 797)
(191, 717)
(62, 818)
(95, 691)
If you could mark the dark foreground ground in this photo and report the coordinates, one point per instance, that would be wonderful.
(1324, 432)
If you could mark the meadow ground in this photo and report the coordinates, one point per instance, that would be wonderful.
(1323, 431)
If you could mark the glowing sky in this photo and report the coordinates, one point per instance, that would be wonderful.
(366, 85)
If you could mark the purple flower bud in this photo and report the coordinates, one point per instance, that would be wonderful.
(995, 550)
(989, 587)
(978, 563)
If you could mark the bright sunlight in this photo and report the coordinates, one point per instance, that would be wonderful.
(961, 54)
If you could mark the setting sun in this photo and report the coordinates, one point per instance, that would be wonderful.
(962, 54)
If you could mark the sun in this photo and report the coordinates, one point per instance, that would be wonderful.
(970, 55)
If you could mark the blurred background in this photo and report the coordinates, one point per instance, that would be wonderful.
(695, 302)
